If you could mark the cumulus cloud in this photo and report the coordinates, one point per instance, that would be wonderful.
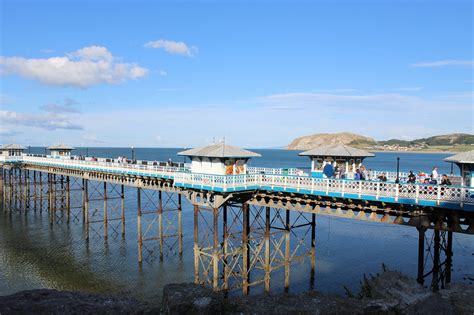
(48, 121)
(67, 106)
(83, 68)
(172, 47)
(443, 63)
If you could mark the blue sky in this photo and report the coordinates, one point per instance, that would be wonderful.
(259, 73)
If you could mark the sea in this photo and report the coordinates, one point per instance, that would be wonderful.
(35, 255)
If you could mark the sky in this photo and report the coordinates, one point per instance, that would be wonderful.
(255, 73)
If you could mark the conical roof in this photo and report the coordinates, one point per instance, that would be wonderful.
(219, 150)
(464, 157)
(60, 146)
(12, 147)
(337, 150)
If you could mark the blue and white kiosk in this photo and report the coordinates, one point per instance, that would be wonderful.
(60, 151)
(324, 159)
(11, 150)
(219, 159)
(465, 162)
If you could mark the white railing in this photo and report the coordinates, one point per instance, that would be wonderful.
(375, 189)
(116, 167)
(257, 180)
(276, 171)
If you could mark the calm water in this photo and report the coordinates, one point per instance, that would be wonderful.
(32, 255)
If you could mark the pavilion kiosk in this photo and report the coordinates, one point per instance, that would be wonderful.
(11, 150)
(341, 155)
(60, 151)
(219, 159)
(465, 162)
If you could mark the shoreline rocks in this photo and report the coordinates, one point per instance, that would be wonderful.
(388, 293)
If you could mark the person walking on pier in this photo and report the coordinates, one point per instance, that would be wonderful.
(434, 175)
(411, 178)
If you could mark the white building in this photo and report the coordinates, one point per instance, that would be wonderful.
(219, 159)
(341, 155)
(465, 162)
(60, 150)
(11, 150)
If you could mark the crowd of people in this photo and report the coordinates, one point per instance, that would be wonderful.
(362, 173)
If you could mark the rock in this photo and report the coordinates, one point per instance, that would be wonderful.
(190, 298)
(46, 301)
(393, 285)
(397, 292)
(460, 296)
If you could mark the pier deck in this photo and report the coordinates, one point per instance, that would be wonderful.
(272, 180)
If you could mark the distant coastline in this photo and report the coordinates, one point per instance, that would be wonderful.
(450, 143)
(423, 152)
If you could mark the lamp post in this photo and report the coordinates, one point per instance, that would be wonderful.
(87, 151)
(398, 170)
(133, 154)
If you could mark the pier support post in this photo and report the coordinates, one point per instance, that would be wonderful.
(421, 255)
(435, 279)
(160, 224)
(35, 192)
(27, 190)
(41, 191)
(106, 234)
(225, 245)
(86, 207)
(215, 252)
(139, 225)
(313, 250)
(245, 249)
(449, 257)
(68, 199)
(287, 251)
(267, 249)
(196, 244)
(122, 196)
(180, 225)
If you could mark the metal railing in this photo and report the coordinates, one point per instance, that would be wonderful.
(261, 180)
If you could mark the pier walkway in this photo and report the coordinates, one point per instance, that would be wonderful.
(273, 180)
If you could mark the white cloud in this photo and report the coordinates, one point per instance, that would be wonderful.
(68, 106)
(48, 121)
(92, 53)
(163, 73)
(83, 68)
(442, 63)
(172, 47)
